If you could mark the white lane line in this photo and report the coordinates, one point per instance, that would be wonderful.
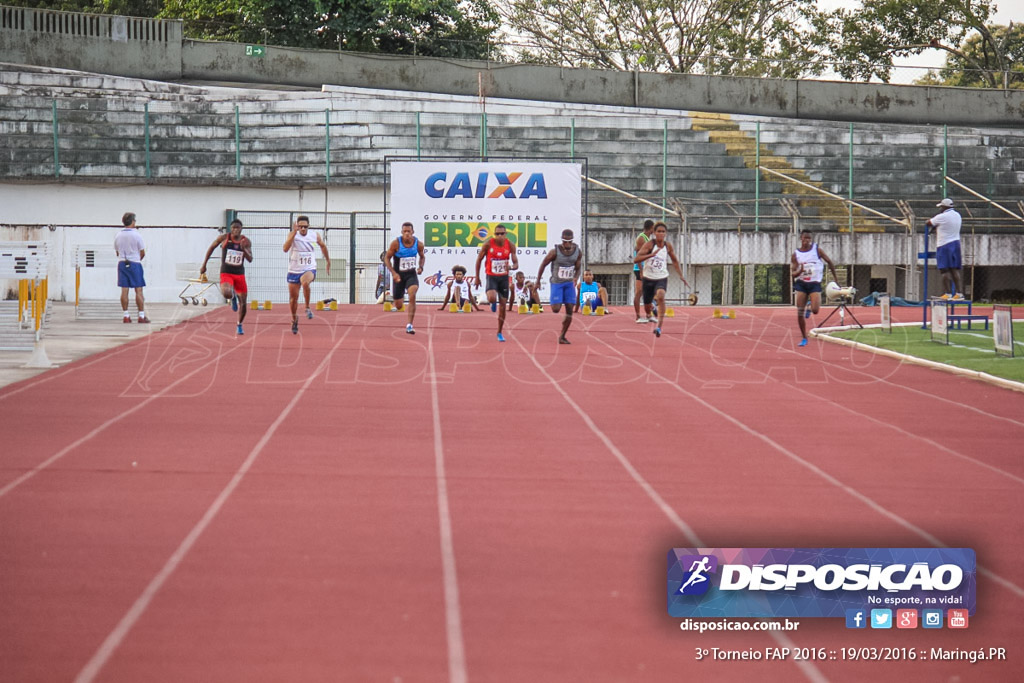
(452, 615)
(117, 418)
(809, 670)
(877, 507)
(117, 636)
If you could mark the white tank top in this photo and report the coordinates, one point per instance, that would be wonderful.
(656, 267)
(302, 256)
(462, 287)
(812, 267)
(521, 293)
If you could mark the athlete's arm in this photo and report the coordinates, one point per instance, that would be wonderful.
(479, 260)
(675, 262)
(644, 253)
(388, 257)
(423, 256)
(515, 258)
(323, 248)
(291, 237)
(831, 267)
(447, 296)
(246, 248)
(209, 252)
(794, 267)
(548, 258)
(579, 272)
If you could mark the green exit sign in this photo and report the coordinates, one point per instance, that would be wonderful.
(255, 50)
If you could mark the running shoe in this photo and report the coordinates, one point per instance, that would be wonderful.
(500, 338)
(958, 297)
(803, 342)
(309, 314)
(494, 308)
(657, 331)
(234, 302)
(807, 312)
(144, 321)
(409, 330)
(563, 340)
(240, 330)
(641, 321)
(652, 319)
(127, 319)
(946, 297)
(295, 327)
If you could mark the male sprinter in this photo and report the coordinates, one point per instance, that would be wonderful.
(498, 251)
(641, 239)
(300, 246)
(592, 294)
(807, 269)
(235, 250)
(565, 260)
(405, 259)
(459, 292)
(524, 293)
(655, 256)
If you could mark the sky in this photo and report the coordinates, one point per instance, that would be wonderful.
(1006, 11)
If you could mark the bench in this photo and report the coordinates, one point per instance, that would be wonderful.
(958, 319)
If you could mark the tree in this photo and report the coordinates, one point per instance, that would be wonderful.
(976, 64)
(740, 37)
(448, 28)
(866, 41)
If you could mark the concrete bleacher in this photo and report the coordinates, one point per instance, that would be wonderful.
(701, 160)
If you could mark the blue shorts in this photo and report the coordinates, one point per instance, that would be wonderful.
(947, 257)
(806, 287)
(130, 275)
(296, 278)
(563, 293)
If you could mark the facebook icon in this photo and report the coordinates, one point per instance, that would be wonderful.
(856, 618)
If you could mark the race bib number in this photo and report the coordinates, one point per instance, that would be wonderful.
(499, 266)
(805, 275)
(306, 259)
(589, 296)
(233, 257)
(567, 272)
(407, 263)
(657, 263)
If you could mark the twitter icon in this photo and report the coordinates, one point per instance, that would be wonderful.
(881, 618)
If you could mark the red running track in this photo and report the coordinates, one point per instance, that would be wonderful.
(358, 504)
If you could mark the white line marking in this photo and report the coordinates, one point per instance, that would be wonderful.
(808, 669)
(47, 376)
(117, 418)
(1014, 588)
(453, 619)
(114, 640)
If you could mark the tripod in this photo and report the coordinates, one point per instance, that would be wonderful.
(842, 308)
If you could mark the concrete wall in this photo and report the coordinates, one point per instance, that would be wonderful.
(154, 49)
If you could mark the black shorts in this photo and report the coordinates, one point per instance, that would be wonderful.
(408, 280)
(806, 287)
(651, 288)
(639, 275)
(499, 284)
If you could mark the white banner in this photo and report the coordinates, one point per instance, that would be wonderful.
(455, 206)
(940, 330)
(1002, 330)
(886, 304)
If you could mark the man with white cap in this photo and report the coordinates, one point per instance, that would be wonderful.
(946, 225)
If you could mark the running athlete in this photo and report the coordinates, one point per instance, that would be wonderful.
(807, 268)
(405, 259)
(458, 290)
(301, 248)
(499, 252)
(523, 293)
(655, 256)
(235, 250)
(592, 294)
(641, 239)
(565, 260)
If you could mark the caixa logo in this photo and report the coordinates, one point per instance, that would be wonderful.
(485, 186)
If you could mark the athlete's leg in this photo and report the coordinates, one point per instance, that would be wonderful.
(293, 299)
(412, 301)
(801, 304)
